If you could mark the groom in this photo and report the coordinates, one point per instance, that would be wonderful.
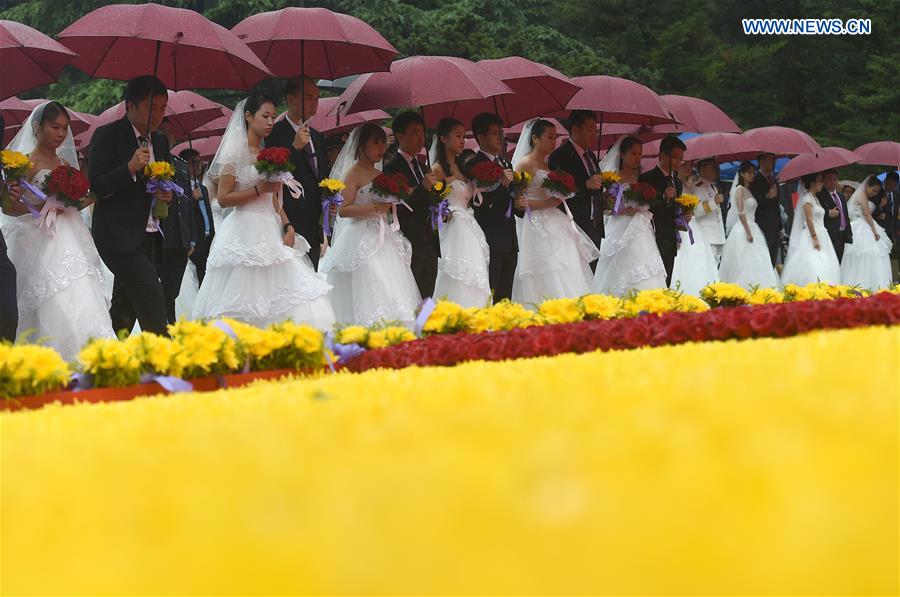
(309, 157)
(668, 186)
(126, 234)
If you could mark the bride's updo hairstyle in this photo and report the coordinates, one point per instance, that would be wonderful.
(255, 101)
(444, 128)
(51, 111)
(538, 129)
(809, 180)
(368, 132)
(625, 147)
(746, 166)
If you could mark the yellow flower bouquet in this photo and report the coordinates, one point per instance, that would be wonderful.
(159, 178)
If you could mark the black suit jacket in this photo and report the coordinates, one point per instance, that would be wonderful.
(565, 157)
(304, 213)
(123, 204)
(415, 224)
(179, 230)
(768, 214)
(664, 211)
(499, 230)
(199, 230)
(833, 225)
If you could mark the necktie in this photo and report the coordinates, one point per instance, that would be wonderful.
(596, 211)
(417, 169)
(840, 208)
(589, 160)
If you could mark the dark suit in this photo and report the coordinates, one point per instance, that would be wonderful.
(500, 232)
(833, 223)
(304, 213)
(204, 236)
(586, 205)
(664, 213)
(179, 235)
(9, 311)
(768, 214)
(886, 216)
(119, 227)
(416, 226)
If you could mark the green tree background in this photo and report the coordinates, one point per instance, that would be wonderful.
(843, 90)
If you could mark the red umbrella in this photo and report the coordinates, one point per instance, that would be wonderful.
(810, 163)
(315, 42)
(724, 147)
(185, 109)
(14, 111)
(213, 127)
(696, 116)
(180, 47)
(206, 147)
(619, 100)
(29, 58)
(329, 121)
(782, 140)
(880, 153)
(435, 84)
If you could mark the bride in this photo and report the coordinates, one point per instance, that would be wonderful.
(629, 257)
(554, 253)
(811, 256)
(867, 260)
(463, 266)
(59, 281)
(368, 262)
(745, 259)
(257, 271)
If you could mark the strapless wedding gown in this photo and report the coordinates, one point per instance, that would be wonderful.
(805, 264)
(59, 280)
(368, 264)
(744, 263)
(463, 266)
(253, 277)
(867, 262)
(629, 258)
(554, 253)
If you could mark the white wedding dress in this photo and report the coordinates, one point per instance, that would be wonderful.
(744, 263)
(463, 266)
(554, 253)
(368, 264)
(629, 258)
(867, 262)
(59, 280)
(253, 277)
(805, 264)
(695, 264)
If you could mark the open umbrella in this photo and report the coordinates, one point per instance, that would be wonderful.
(695, 115)
(329, 121)
(29, 58)
(782, 140)
(15, 112)
(810, 163)
(206, 147)
(315, 42)
(724, 147)
(412, 82)
(880, 153)
(213, 127)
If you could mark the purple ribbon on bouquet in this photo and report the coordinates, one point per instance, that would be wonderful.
(35, 212)
(336, 200)
(618, 191)
(154, 185)
(682, 224)
(343, 352)
(438, 214)
(425, 312)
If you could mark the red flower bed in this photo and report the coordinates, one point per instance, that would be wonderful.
(762, 321)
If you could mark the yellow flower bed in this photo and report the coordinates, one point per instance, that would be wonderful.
(761, 468)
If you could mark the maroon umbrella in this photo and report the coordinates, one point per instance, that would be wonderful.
(435, 84)
(880, 153)
(810, 163)
(206, 147)
(724, 147)
(619, 100)
(213, 127)
(696, 116)
(782, 140)
(29, 58)
(329, 121)
(15, 112)
(180, 47)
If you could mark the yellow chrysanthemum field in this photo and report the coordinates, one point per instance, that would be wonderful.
(714, 468)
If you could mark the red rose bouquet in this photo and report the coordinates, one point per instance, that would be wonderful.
(274, 165)
(393, 188)
(68, 185)
(559, 184)
(486, 176)
(641, 193)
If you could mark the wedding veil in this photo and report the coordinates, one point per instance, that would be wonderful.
(523, 147)
(26, 139)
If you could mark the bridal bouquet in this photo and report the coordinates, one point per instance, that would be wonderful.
(15, 166)
(559, 184)
(486, 176)
(67, 185)
(438, 206)
(159, 178)
(331, 196)
(641, 193)
(391, 188)
(274, 165)
(520, 182)
(688, 202)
